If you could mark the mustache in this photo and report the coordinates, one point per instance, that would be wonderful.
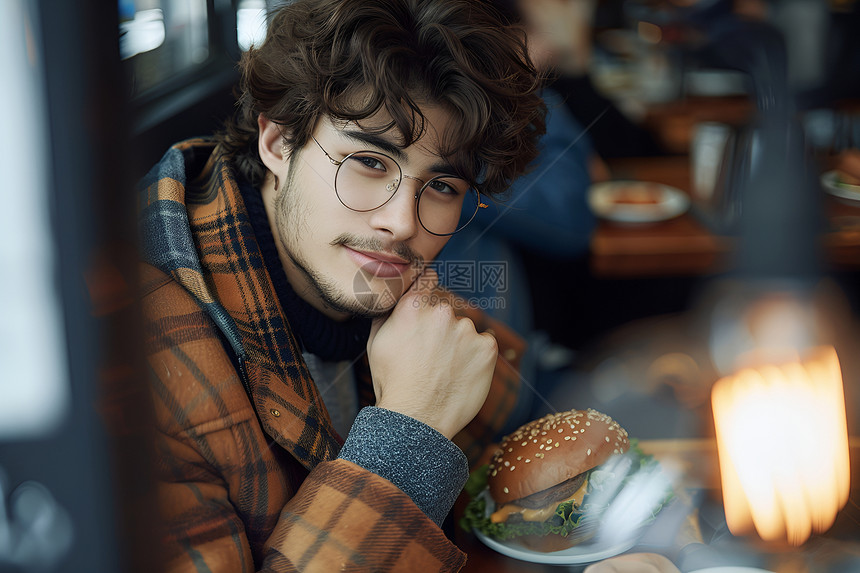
(368, 244)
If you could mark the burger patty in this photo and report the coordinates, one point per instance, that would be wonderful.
(556, 493)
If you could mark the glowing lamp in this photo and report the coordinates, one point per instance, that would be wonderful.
(782, 442)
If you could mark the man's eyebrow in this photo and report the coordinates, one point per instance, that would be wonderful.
(379, 142)
(374, 140)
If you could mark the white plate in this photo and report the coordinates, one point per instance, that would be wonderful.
(579, 554)
(830, 182)
(621, 201)
(731, 570)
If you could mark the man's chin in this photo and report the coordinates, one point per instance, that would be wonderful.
(372, 305)
(373, 295)
(363, 305)
(372, 312)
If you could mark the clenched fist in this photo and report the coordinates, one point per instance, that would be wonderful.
(429, 364)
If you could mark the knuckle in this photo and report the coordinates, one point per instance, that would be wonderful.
(464, 325)
(492, 343)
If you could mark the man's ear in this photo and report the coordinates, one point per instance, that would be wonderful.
(270, 143)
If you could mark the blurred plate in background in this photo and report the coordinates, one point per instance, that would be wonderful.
(636, 201)
(831, 184)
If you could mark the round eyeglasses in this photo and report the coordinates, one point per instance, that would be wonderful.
(367, 180)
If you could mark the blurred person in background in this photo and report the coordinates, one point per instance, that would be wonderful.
(561, 36)
(545, 216)
(544, 213)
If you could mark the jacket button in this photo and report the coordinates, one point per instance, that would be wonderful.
(275, 413)
(510, 354)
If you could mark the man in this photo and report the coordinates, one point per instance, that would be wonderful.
(297, 239)
(286, 263)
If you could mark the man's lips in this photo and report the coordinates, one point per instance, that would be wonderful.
(379, 264)
(384, 257)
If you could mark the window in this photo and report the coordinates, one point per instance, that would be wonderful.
(250, 23)
(34, 388)
(162, 38)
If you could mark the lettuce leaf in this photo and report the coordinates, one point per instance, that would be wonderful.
(563, 522)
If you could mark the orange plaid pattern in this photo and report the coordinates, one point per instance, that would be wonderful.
(248, 478)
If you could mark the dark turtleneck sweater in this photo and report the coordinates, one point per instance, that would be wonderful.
(318, 334)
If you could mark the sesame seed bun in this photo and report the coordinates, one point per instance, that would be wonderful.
(551, 450)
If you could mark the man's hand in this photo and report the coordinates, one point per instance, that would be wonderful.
(634, 563)
(429, 364)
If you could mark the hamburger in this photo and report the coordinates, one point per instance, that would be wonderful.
(539, 486)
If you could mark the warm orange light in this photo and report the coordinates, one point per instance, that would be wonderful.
(782, 441)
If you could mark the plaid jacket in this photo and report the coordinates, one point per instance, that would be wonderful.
(248, 478)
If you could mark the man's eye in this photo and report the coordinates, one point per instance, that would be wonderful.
(442, 187)
(369, 162)
(446, 186)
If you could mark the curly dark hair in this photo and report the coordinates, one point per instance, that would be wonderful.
(348, 59)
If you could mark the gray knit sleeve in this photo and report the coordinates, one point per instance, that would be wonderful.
(426, 465)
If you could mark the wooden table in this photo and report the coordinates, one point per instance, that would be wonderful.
(684, 246)
(674, 122)
(696, 461)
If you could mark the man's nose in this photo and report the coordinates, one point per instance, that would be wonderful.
(399, 216)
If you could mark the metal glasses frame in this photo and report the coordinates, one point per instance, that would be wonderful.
(479, 205)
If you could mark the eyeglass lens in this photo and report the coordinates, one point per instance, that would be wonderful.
(366, 180)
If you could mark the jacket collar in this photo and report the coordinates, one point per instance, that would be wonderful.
(195, 227)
